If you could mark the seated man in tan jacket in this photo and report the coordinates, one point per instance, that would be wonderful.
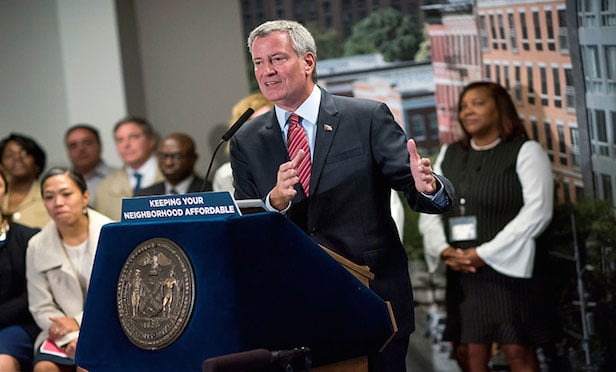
(135, 141)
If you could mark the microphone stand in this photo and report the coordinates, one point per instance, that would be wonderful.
(225, 137)
(209, 167)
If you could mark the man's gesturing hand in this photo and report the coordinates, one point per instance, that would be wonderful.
(421, 170)
(284, 191)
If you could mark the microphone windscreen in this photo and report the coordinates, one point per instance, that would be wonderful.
(238, 123)
(242, 361)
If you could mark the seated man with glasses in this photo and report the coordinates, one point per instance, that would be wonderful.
(176, 160)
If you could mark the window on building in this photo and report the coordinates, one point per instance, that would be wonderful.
(497, 72)
(534, 128)
(418, 127)
(493, 32)
(501, 32)
(537, 27)
(467, 54)
(610, 68)
(563, 33)
(543, 77)
(562, 150)
(549, 24)
(299, 11)
(592, 68)
(557, 89)
(531, 88)
(613, 141)
(569, 89)
(579, 192)
(517, 84)
(606, 185)
(433, 126)
(586, 13)
(483, 33)
(524, 30)
(608, 13)
(591, 61)
(575, 146)
(566, 192)
(279, 8)
(506, 76)
(599, 130)
(548, 140)
(513, 40)
(488, 71)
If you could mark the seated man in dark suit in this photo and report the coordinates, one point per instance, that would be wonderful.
(176, 160)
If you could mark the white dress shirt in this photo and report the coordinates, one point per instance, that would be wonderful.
(147, 171)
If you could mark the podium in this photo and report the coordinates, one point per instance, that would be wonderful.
(259, 282)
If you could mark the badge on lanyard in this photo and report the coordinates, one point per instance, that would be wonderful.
(462, 228)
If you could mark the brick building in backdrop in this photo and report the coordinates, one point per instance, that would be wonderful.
(523, 46)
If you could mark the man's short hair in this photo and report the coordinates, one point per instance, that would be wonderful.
(143, 123)
(88, 127)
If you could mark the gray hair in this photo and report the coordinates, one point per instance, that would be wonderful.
(301, 39)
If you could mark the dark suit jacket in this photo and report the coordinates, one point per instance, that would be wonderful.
(359, 156)
(159, 188)
(13, 295)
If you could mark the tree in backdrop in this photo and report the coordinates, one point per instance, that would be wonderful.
(595, 238)
(328, 41)
(388, 32)
(424, 53)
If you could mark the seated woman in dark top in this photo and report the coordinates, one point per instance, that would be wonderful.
(17, 328)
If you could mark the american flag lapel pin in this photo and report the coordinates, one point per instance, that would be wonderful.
(328, 128)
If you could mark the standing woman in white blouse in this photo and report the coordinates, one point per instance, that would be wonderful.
(59, 262)
(504, 191)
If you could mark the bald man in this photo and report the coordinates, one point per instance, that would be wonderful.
(176, 160)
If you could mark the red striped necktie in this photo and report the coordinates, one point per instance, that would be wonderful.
(297, 140)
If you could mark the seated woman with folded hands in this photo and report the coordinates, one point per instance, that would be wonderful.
(59, 262)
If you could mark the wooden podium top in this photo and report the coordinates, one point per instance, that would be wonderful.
(361, 272)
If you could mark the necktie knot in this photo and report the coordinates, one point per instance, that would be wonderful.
(138, 177)
(297, 140)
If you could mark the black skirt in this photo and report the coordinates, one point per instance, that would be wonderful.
(487, 306)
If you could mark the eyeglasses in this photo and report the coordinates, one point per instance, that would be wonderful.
(15, 155)
(176, 156)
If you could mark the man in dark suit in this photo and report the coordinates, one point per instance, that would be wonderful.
(337, 187)
(176, 160)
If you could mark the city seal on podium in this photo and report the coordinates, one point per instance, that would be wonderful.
(156, 294)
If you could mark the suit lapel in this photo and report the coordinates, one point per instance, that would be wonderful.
(327, 124)
(275, 150)
(160, 188)
(195, 185)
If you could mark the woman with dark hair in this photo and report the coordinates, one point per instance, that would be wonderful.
(17, 328)
(504, 201)
(59, 262)
(24, 160)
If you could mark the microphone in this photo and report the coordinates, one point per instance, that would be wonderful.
(252, 360)
(283, 358)
(238, 123)
(257, 360)
(225, 137)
